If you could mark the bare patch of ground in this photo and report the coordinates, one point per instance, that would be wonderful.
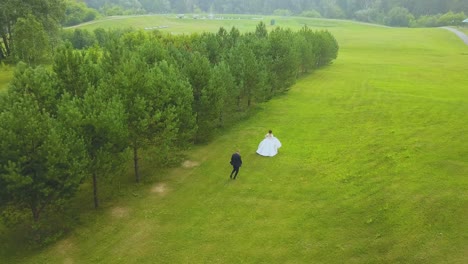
(120, 212)
(64, 246)
(190, 164)
(160, 188)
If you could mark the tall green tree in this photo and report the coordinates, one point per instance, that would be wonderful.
(258, 75)
(197, 69)
(156, 99)
(176, 127)
(99, 118)
(399, 16)
(77, 12)
(261, 31)
(156, 6)
(235, 62)
(327, 49)
(93, 108)
(76, 70)
(222, 98)
(79, 38)
(32, 42)
(254, 74)
(49, 13)
(39, 83)
(284, 59)
(307, 45)
(131, 80)
(42, 160)
(213, 101)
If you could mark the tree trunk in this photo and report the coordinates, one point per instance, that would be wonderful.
(221, 119)
(135, 162)
(36, 213)
(96, 200)
(5, 43)
(2, 48)
(8, 42)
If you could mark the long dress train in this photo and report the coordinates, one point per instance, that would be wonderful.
(269, 146)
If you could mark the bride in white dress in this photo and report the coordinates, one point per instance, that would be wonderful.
(269, 146)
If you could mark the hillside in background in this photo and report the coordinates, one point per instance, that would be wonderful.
(390, 12)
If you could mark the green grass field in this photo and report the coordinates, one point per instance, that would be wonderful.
(188, 25)
(373, 169)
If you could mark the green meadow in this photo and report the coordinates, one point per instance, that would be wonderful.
(373, 167)
(187, 25)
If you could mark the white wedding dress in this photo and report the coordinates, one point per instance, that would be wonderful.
(269, 146)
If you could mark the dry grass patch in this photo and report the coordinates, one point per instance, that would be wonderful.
(120, 212)
(160, 188)
(190, 164)
(65, 246)
(68, 261)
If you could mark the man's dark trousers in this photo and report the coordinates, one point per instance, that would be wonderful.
(236, 162)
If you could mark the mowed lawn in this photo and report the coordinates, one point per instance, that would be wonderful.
(187, 25)
(373, 169)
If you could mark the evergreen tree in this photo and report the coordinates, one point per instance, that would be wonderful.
(308, 44)
(225, 90)
(31, 41)
(68, 66)
(99, 118)
(38, 83)
(327, 49)
(285, 59)
(42, 160)
(198, 72)
(48, 13)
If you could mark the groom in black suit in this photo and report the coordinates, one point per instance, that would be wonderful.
(236, 162)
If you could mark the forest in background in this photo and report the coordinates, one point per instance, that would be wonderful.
(328, 8)
(390, 12)
(22, 20)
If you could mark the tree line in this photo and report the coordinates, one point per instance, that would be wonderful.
(19, 18)
(110, 96)
(390, 12)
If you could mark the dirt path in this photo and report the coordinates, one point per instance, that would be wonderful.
(460, 34)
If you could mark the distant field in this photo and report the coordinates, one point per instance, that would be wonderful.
(187, 25)
(373, 167)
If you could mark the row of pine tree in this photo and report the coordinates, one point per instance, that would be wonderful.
(129, 93)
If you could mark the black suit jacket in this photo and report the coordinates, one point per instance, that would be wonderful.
(236, 160)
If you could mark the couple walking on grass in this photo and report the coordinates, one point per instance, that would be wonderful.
(268, 147)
